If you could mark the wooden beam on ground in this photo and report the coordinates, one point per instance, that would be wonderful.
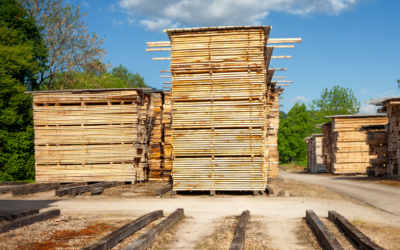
(352, 232)
(29, 220)
(240, 232)
(11, 217)
(163, 190)
(269, 190)
(123, 232)
(146, 240)
(325, 236)
(12, 183)
(35, 190)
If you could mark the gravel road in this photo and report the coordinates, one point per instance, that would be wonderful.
(381, 196)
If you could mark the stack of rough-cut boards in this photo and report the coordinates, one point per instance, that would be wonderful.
(350, 153)
(167, 135)
(317, 159)
(391, 107)
(220, 112)
(377, 139)
(308, 142)
(327, 146)
(155, 143)
(273, 137)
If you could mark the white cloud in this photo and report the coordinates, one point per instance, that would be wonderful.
(367, 109)
(157, 13)
(118, 23)
(158, 24)
(86, 4)
(299, 99)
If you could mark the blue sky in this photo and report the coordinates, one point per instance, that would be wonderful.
(350, 43)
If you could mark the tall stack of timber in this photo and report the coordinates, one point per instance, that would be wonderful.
(273, 136)
(167, 135)
(350, 153)
(377, 139)
(156, 138)
(327, 146)
(391, 106)
(317, 159)
(90, 135)
(308, 142)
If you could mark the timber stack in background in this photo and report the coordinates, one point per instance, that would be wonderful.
(391, 107)
(377, 139)
(100, 135)
(314, 151)
(345, 143)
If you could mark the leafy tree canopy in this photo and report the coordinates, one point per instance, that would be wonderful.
(292, 131)
(24, 33)
(132, 80)
(19, 62)
(336, 101)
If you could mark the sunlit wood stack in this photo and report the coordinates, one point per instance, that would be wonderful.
(90, 135)
(167, 135)
(327, 146)
(273, 136)
(377, 139)
(317, 159)
(391, 106)
(156, 138)
(222, 96)
(350, 153)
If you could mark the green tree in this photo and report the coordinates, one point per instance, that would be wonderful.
(70, 48)
(336, 101)
(132, 80)
(13, 17)
(398, 83)
(20, 61)
(291, 133)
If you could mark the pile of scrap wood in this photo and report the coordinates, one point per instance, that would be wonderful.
(327, 146)
(314, 153)
(391, 106)
(377, 139)
(350, 153)
(222, 96)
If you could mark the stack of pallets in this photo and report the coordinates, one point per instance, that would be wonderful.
(377, 139)
(327, 146)
(90, 135)
(350, 153)
(219, 109)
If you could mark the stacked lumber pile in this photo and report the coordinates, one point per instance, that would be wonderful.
(350, 153)
(308, 142)
(327, 146)
(317, 159)
(156, 138)
(391, 106)
(273, 136)
(377, 139)
(219, 109)
(90, 135)
(167, 135)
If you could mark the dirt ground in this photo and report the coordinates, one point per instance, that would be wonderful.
(292, 168)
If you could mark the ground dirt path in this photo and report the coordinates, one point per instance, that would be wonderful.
(381, 196)
(282, 234)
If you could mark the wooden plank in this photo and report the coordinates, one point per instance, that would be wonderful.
(324, 235)
(25, 221)
(125, 231)
(239, 237)
(352, 232)
(146, 240)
